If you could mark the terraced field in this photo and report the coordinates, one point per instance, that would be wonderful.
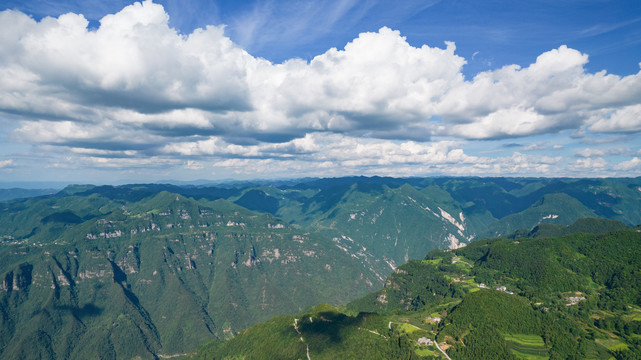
(530, 347)
(635, 314)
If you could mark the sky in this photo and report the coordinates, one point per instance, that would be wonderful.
(98, 91)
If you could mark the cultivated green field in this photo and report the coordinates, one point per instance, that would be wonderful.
(426, 352)
(529, 347)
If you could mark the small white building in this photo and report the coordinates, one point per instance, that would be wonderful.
(434, 319)
(424, 341)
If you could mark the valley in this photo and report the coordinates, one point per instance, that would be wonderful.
(154, 270)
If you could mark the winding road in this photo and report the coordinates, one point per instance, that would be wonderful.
(441, 350)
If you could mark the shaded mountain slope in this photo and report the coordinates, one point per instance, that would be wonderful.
(450, 298)
(90, 276)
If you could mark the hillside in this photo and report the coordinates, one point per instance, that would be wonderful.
(88, 276)
(99, 269)
(401, 219)
(575, 296)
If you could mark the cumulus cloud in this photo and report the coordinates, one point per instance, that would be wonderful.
(516, 164)
(592, 152)
(193, 165)
(6, 163)
(632, 164)
(133, 60)
(135, 88)
(587, 165)
(626, 119)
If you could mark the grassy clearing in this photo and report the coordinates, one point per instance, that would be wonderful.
(612, 344)
(527, 346)
(408, 328)
(432, 261)
(425, 352)
(619, 346)
(634, 315)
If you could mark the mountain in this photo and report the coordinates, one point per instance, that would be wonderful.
(401, 219)
(550, 209)
(576, 296)
(19, 193)
(393, 223)
(86, 274)
(584, 225)
(97, 271)
(396, 219)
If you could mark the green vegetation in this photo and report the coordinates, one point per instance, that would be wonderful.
(87, 275)
(155, 270)
(323, 331)
(549, 308)
(530, 347)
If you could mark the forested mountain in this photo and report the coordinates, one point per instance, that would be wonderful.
(19, 193)
(154, 270)
(86, 276)
(570, 297)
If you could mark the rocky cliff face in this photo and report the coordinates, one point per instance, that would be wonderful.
(168, 272)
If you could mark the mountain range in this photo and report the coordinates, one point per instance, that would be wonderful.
(155, 270)
(575, 296)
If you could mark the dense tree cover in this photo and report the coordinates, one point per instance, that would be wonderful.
(583, 225)
(562, 306)
(500, 311)
(483, 342)
(412, 286)
(540, 267)
(96, 270)
(604, 269)
(323, 331)
(535, 266)
(84, 276)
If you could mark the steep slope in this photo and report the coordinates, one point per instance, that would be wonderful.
(617, 199)
(323, 332)
(374, 216)
(584, 225)
(438, 308)
(400, 219)
(85, 276)
(551, 208)
(393, 224)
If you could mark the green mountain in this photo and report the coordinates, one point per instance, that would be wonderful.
(19, 193)
(575, 296)
(322, 332)
(154, 270)
(393, 224)
(400, 219)
(86, 275)
(550, 209)
(584, 225)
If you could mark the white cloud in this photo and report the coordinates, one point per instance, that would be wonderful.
(632, 164)
(592, 152)
(137, 71)
(535, 147)
(6, 163)
(627, 119)
(585, 165)
(322, 154)
(134, 88)
(340, 149)
(193, 165)
(134, 59)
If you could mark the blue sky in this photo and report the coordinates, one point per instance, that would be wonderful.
(95, 91)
